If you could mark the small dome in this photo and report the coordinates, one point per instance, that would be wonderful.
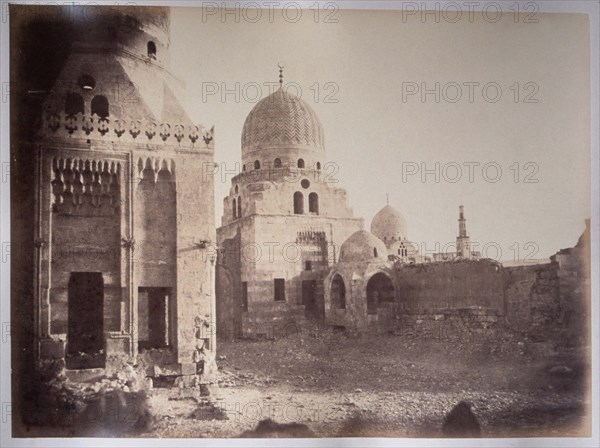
(388, 225)
(282, 119)
(363, 246)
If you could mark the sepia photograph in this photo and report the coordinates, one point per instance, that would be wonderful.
(337, 223)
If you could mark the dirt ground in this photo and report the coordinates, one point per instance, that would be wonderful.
(382, 385)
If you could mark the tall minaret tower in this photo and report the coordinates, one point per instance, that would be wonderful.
(463, 246)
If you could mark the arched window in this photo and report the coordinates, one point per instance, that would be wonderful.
(100, 106)
(313, 203)
(236, 189)
(151, 50)
(277, 163)
(318, 165)
(375, 252)
(298, 203)
(234, 210)
(244, 168)
(338, 292)
(300, 163)
(74, 104)
(239, 207)
(256, 165)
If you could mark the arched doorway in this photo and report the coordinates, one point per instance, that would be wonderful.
(338, 292)
(379, 289)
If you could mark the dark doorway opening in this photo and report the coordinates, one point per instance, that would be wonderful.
(338, 292)
(85, 330)
(309, 299)
(153, 318)
(279, 293)
(379, 289)
(245, 296)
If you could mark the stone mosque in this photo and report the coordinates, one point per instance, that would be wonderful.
(285, 227)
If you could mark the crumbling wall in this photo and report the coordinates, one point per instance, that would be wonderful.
(532, 298)
(574, 285)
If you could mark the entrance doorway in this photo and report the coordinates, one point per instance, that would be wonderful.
(85, 330)
(309, 299)
(153, 318)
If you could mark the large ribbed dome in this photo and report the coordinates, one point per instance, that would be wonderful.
(388, 224)
(363, 246)
(282, 119)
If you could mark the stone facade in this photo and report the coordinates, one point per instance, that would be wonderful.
(121, 218)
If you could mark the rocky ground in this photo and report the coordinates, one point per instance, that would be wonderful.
(337, 384)
(382, 385)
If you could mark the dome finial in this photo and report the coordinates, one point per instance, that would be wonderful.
(281, 66)
(387, 199)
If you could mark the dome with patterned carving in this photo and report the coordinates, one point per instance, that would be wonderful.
(282, 119)
(388, 225)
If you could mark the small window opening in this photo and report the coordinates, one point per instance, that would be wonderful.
(151, 50)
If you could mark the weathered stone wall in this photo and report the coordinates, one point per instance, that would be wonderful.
(540, 302)
(429, 287)
(575, 284)
(196, 258)
(229, 288)
(532, 298)
(257, 249)
(552, 300)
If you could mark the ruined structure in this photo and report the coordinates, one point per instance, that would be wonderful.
(118, 253)
(364, 291)
(282, 223)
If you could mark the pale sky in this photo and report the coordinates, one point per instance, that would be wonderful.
(369, 58)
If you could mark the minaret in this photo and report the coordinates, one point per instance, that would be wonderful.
(463, 249)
